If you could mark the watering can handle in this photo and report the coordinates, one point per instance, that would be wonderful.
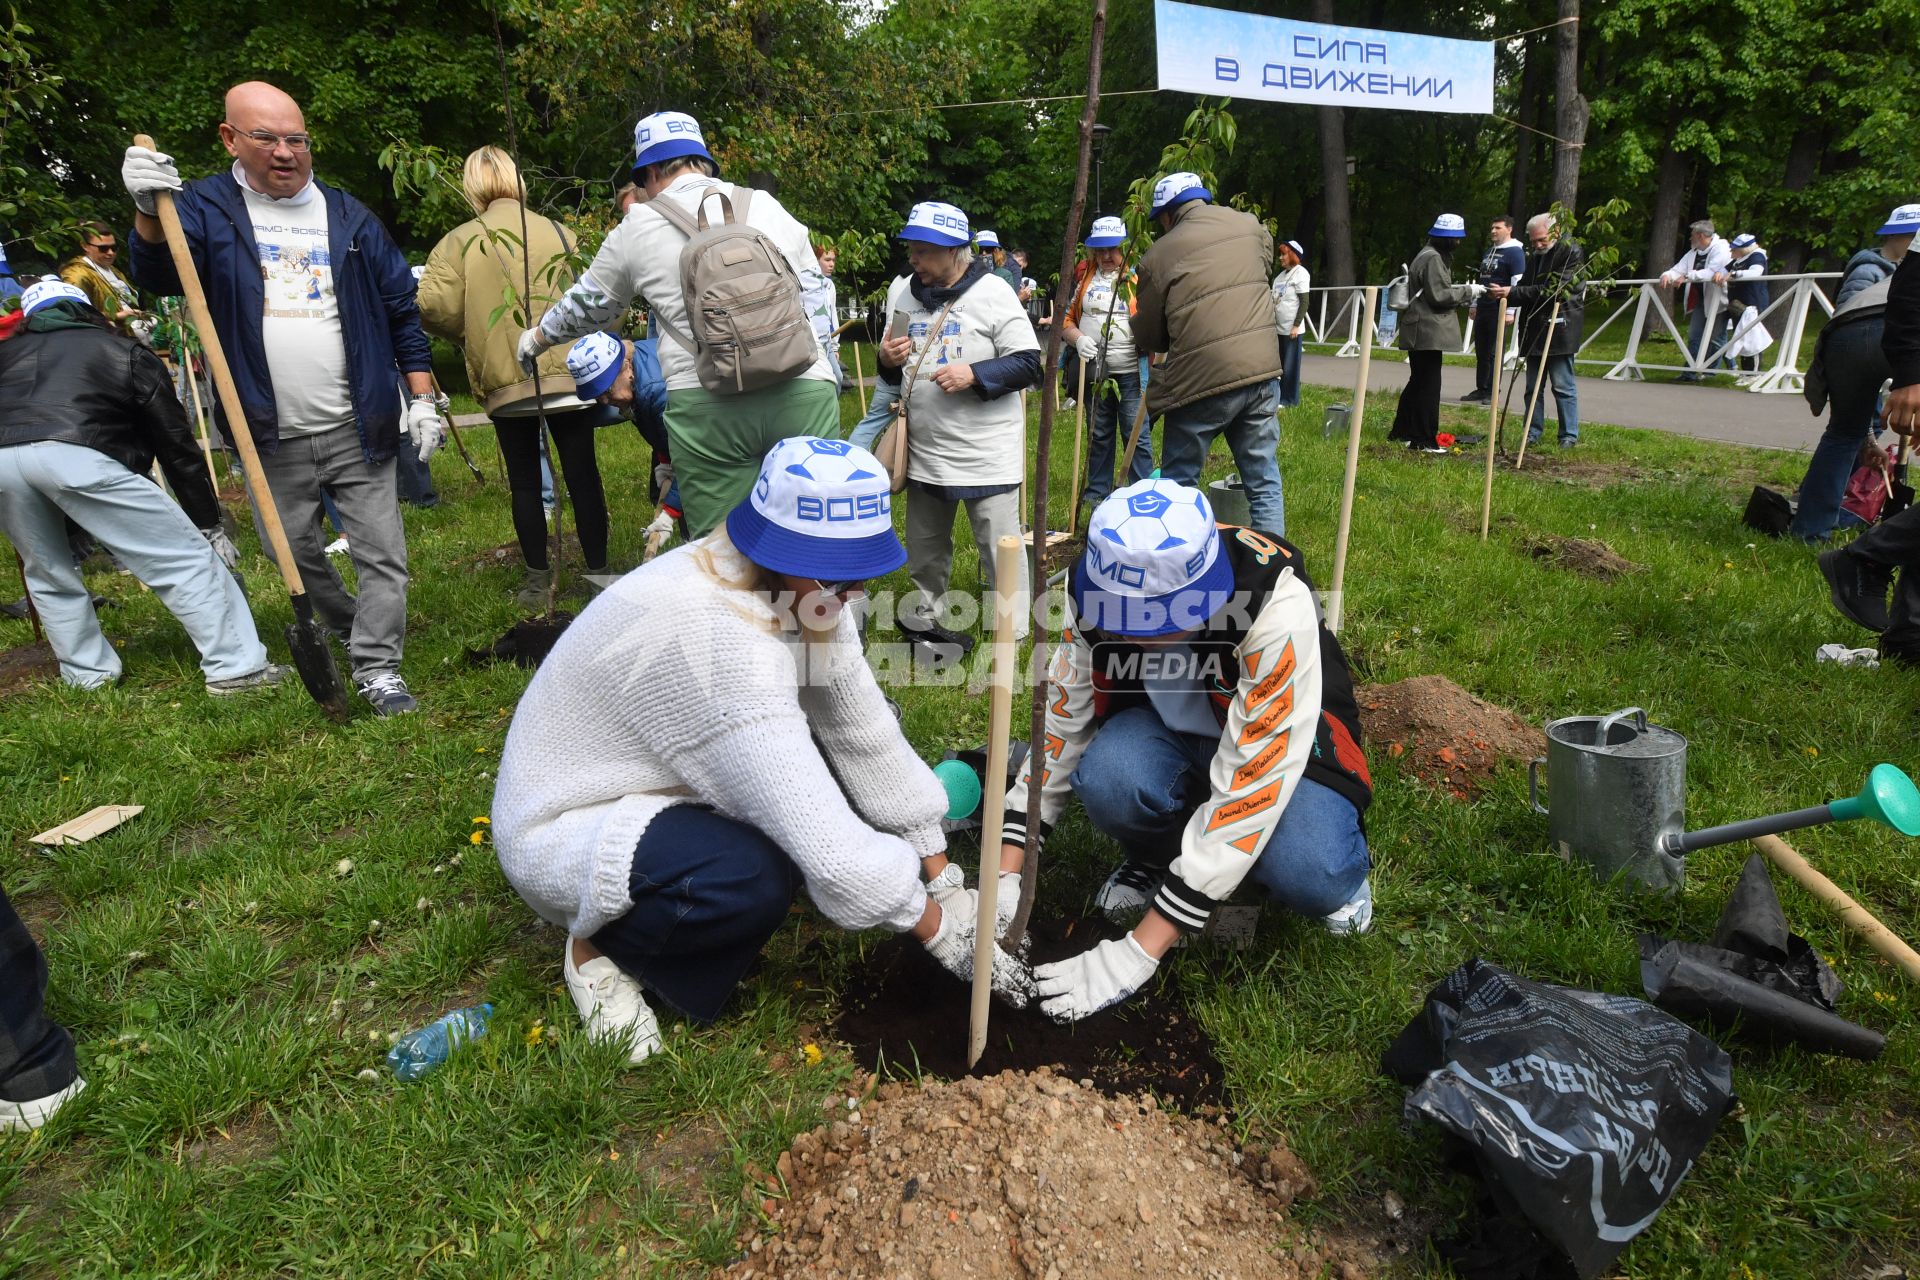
(1607, 722)
(1533, 783)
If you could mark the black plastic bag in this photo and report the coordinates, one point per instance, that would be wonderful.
(1756, 976)
(1584, 1109)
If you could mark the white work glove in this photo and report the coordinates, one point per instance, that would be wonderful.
(145, 171)
(1476, 291)
(658, 530)
(222, 546)
(949, 889)
(1088, 346)
(529, 349)
(1007, 904)
(424, 426)
(1071, 989)
(952, 947)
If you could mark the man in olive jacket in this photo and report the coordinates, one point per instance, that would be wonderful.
(1204, 301)
(1549, 338)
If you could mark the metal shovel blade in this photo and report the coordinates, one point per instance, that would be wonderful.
(313, 659)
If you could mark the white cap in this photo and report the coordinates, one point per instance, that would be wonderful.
(1449, 226)
(933, 222)
(1107, 232)
(41, 293)
(820, 509)
(1177, 188)
(1903, 221)
(1153, 562)
(595, 362)
(664, 135)
(987, 239)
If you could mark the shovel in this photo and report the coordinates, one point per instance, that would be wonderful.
(306, 640)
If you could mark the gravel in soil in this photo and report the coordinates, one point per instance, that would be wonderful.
(902, 1013)
(1442, 734)
(1031, 1176)
(1584, 556)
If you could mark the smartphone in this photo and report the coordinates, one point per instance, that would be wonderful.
(897, 327)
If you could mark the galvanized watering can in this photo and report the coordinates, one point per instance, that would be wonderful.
(1618, 787)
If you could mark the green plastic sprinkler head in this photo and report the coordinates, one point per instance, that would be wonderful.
(963, 788)
(1888, 797)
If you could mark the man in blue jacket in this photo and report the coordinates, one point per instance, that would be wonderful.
(1506, 258)
(315, 308)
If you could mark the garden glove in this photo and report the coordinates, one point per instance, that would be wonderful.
(952, 947)
(1088, 346)
(950, 886)
(1089, 982)
(222, 546)
(424, 426)
(145, 171)
(528, 350)
(1007, 903)
(1476, 291)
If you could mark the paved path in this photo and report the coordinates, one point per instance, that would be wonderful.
(1706, 412)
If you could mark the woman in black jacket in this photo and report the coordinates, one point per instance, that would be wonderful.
(1428, 329)
(83, 414)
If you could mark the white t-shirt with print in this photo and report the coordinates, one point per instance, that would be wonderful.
(1101, 313)
(960, 439)
(306, 355)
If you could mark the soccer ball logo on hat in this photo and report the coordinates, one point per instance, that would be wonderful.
(820, 509)
(1449, 226)
(1177, 188)
(595, 362)
(664, 135)
(933, 222)
(1153, 563)
(40, 293)
(1107, 232)
(1904, 221)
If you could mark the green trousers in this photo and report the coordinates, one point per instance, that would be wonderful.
(719, 441)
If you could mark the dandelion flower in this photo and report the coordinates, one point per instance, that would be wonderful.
(811, 1052)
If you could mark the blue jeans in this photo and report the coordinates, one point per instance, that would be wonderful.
(707, 894)
(867, 430)
(1291, 349)
(36, 1053)
(1246, 416)
(1855, 369)
(413, 477)
(1113, 417)
(1697, 330)
(1566, 397)
(43, 482)
(1140, 781)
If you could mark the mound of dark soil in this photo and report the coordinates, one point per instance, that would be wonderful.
(1441, 733)
(1585, 556)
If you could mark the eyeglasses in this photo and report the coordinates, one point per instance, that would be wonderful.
(108, 247)
(296, 142)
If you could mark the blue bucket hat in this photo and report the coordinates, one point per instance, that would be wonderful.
(664, 135)
(1177, 188)
(932, 222)
(1153, 563)
(1741, 241)
(594, 362)
(1449, 226)
(46, 292)
(1107, 233)
(820, 509)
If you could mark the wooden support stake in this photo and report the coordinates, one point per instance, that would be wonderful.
(1493, 415)
(1852, 914)
(1079, 434)
(859, 380)
(1336, 598)
(200, 419)
(1539, 377)
(1002, 660)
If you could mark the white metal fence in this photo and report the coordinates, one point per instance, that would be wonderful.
(1332, 318)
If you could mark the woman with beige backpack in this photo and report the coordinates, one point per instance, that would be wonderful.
(960, 348)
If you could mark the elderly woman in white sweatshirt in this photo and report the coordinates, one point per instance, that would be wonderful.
(707, 738)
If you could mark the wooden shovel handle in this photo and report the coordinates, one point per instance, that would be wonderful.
(1852, 914)
(242, 434)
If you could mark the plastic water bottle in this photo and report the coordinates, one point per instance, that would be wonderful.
(418, 1052)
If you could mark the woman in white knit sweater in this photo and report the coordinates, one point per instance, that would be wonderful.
(706, 738)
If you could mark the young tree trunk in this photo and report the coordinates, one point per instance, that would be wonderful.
(1337, 250)
(1570, 117)
(1525, 141)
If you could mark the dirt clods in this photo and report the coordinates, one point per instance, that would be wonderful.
(1442, 734)
(1032, 1177)
(1585, 556)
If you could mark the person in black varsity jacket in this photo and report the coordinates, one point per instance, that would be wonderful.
(1206, 719)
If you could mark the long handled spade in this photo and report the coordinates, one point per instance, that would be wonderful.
(459, 444)
(1539, 378)
(306, 640)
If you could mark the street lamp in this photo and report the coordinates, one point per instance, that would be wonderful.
(1101, 132)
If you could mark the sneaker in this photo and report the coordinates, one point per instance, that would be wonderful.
(1124, 897)
(1858, 587)
(265, 678)
(338, 547)
(1354, 918)
(1568, 442)
(387, 694)
(611, 1005)
(27, 1116)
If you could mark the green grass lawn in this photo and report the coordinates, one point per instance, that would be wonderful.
(228, 981)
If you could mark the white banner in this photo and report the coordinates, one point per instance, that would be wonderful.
(1248, 55)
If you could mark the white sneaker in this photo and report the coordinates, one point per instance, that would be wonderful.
(338, 547)
(25, 1116)
(1354, 918)
(1124, 897)
(611, 1005)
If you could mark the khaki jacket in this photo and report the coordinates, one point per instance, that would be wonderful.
(1430, 323)
(465, 283)
(1203, 298)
